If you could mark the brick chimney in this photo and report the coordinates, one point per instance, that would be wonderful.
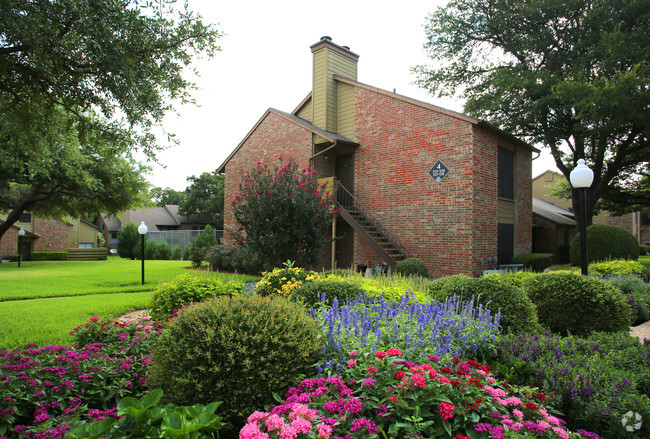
(329, 59)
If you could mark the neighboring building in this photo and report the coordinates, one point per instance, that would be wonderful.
(543, 185)
(159, 221)
(415, 179)
(553, 230)
(47, 235)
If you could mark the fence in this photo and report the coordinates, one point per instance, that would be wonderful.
(178, 238)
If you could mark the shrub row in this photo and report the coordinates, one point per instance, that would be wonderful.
(536, 262)
(236, 258)
(43, 256)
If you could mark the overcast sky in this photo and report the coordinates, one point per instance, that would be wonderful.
(265, 62)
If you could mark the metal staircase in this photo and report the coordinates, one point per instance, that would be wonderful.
(376, 236)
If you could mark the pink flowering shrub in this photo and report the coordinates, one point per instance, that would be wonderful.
(382, 395)
(42, 389)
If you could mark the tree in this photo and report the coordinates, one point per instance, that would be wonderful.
(571, 76)
(204, 196)
(283, 214)
(202, 245)
(162, 196)
(83, 82)
(128, 241)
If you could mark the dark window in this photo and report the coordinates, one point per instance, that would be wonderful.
(25, 217)
(506, 173)
(113, 235)
(505, 243)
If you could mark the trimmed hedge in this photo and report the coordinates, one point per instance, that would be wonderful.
(412, 267)
(537, 262)
(616, 267)
(43, 256)
(604, 243)
(311, 293)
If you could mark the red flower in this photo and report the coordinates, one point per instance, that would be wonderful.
(446, 410)
(392, 352)
(380, 354)
(531, 405)
(400, 374)
(541, 396)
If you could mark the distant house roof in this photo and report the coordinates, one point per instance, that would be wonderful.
(155, 217)
(552, 212)
(192, 219)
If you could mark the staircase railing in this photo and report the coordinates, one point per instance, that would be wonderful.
(347, 202)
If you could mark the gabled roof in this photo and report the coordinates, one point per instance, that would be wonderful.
(192, 219)
(438, 109)
(329, 136)
(552, 212)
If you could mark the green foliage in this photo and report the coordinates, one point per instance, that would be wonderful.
(570, 303)
(128, 239)
(310, 293)
(391, 287)
(412, 267)
(84, 86)
(282, 281)
(637, 293)
(177, 254)
(537, 262)
(518, 313)
(616, 267)
(517, 278)
(237, 258)
(283, 213)
(238, 350)
(204, 196)
(163, 252)
(101, 241)
(644, 250)
(189, 288)
(201, 246)
(559, 80)
(50, 256)
(599, 378)
(161, 196)
(147, 417)
(605, 242)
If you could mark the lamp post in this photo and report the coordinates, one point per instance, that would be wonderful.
(21, 233)
(581, 178)
(142, 230)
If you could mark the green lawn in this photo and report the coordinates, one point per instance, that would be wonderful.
(43, 301)
(645, 260)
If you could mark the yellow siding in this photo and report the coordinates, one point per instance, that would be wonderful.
(506, 211)
(306, 111)
(319, 89)
(345, 110)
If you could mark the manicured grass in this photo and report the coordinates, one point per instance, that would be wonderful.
(74, 278)
(645, 260)
(48, 321)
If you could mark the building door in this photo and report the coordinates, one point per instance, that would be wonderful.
(505, 243)
(26, 250)
(345, 171)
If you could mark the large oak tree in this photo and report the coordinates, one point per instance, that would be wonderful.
(569, 75)
(83, 84)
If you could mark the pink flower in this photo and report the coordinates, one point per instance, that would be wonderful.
(288, 433)
(252, 431)
(94, 319)
(495, 393)
(518, 413)
(352, 353)
(563, 434)
(352, 363)
(324, 431)
(274, 422)
(369, 382)
(302, 425)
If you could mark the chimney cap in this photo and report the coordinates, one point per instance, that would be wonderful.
(326, 41)
(326, 38)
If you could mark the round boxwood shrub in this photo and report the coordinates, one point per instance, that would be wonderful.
(238, 350)
(570, 303)
(518, 314)
(412, 267)
(605, 242)
(188, 288)
(311, 293)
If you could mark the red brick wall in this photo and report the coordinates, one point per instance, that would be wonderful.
(452, 225)
(9, 243)
(53, 235)
(624, 222)
(274, 137)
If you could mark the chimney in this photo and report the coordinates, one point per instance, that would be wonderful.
(329, 59)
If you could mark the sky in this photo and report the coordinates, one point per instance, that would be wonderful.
(265, 62)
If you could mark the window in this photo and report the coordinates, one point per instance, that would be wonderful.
(113, 235)
(85, 245)
(25, 218)
(506, 174)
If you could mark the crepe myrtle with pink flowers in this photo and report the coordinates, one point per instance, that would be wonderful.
(383, 395)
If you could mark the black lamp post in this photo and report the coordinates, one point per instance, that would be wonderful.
(142, 230)
(581, 178)
(21, 233)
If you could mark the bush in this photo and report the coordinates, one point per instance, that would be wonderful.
(235, 349)
(177, 254)
(187, 252)
(128, 239)
(604, 243)
(637, 293)
(311, 293)
(236, 258)
(616, 267)
(50, 256)
(570, 303)
(644, 250)
(599, 379)
(518, 314)
(282, 281)
(517, 278)
(164, 252)
(412, 267)
(186, 289)
(201, 246)
(537, 262)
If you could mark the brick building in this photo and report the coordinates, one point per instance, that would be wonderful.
(414, 179)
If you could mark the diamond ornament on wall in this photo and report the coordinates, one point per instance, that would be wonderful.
(438, 172)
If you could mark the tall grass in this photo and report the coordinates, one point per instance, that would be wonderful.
(391, 286)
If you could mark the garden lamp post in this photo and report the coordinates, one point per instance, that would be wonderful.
(21, 233)
(581, 178)
(142, 230)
